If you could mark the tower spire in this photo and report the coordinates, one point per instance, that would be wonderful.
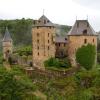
(43, 11)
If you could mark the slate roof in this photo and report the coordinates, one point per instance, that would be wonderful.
(82, 27)
(7, 36)
(44, 21)
(60, 39)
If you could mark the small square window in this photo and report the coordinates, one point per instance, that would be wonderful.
(48, 47)
(48, 34)
(85, 41)
(37, 34)
(38, 47)
(64, 44)
(37, 41)
(93, 40)
(48, 41)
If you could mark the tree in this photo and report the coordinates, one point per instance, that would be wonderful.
(14, 85)
(85, 56)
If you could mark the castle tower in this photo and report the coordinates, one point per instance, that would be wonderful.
(80, 34)
(7, 44)
(43, 38)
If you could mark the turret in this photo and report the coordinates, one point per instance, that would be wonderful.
(7, 44)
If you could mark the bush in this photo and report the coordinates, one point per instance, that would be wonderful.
(51, 62)
(85, 56)
(55, 62)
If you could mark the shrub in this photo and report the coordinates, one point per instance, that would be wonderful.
(85, 56)
(54, 62)
(51, 62)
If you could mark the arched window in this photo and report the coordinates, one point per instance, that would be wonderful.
(85, 41)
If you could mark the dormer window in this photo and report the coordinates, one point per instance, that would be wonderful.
(48, 21)
(44, 21)
(84, 32)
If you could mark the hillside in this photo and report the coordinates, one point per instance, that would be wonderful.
(20, 30)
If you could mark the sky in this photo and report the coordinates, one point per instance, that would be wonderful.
(58, 11)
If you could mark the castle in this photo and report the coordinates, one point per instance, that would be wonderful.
(46, 44)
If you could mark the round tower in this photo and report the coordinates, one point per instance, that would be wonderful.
(43, 37)
(7, 45)
(81, 34)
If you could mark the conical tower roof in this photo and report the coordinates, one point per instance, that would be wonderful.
(7, 36)
(82, 27)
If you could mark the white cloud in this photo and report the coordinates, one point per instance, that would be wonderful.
(58, 11)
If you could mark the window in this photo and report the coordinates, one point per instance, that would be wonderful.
(93, 40)
(65, 38)
(50, 27)
(85, 32)
(37, 41)
(44, 21)
(37, 27)
(48, 47)
(38, 47)
(48, 41)
(38, 53)
(37, 34)
(64, 44)
(39, 21)
(48, 21)
(85, 41)
(59, 44)
(48, 34)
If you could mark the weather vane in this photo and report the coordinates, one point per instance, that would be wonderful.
(43, 11)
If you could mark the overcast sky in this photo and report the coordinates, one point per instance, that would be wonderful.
(58, 11)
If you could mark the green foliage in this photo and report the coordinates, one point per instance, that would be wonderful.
(58, 63)
(20, 30)
(83, 85)
(14, 86)
(85, 56)
(24, 51)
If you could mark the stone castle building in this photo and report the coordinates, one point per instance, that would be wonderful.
(7, 45)
(46, 44)
(81, 34)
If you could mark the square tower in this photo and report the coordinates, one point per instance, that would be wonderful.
(81, 34)
(43, 38)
